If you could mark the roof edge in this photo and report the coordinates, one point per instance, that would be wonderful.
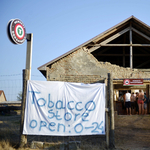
(43, 67)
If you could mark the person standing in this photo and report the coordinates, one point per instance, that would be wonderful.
(145, 104)
(141, 102)
(128, 103)
(133, 99)
(136, 103)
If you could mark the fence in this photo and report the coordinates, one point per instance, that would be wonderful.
(10, 125)
(11, 85)
(10, 131)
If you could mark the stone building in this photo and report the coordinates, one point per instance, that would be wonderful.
(122, 50)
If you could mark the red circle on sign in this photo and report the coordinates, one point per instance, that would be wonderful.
(16, 27)
(126, 82)
(16, 31)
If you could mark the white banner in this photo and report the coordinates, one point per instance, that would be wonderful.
(64, 109)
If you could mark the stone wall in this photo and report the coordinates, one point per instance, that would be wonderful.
(77, 67)
(81, 66)
(121, 72)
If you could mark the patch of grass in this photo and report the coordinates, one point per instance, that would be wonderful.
(5, 145)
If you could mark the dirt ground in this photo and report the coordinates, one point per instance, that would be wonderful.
(132, 132)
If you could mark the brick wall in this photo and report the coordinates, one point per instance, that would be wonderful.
(83, 67)
(79, 78)
(77, 67)
(121, 72)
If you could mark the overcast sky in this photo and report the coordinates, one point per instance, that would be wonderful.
(59, 26)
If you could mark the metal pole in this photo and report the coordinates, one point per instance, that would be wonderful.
(29, 53)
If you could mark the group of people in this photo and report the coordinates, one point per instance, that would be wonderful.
(135, 103)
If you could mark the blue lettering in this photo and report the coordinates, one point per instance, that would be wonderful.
(44, 102)
(33, 123)
(97, 127)
(76, 106)
(42, 124)
(52, 113)
(79, 124)
(61, 105)
(84, 115)
(52, 124)
(59, 127)
(49, 102)
(76, 116)
(67, 118)
(33, 96)
(57, 116)
(69, 105)
(88, 107)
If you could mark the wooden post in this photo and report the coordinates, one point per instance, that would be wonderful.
(131, 52)
(112, 126)
(124, 61)
(106, 112)
(23, 138)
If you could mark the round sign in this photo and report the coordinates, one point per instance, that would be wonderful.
(16, 31)
(126, 82)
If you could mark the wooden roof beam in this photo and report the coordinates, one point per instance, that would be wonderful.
(104, 43)
(135, 55)
(140, 33)
(106, 49)
(136, 45)
(115, 36)
(96, 46)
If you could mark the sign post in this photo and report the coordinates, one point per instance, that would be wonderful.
(17, 35)
(29, 53)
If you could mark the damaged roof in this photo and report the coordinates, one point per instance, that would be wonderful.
(136, 24)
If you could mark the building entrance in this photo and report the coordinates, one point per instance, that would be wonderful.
(119, 96)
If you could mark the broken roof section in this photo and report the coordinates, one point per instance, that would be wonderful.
(105, 45)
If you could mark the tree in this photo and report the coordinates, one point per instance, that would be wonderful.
(19, 97)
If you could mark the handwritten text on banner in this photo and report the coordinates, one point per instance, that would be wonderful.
(64, 109)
